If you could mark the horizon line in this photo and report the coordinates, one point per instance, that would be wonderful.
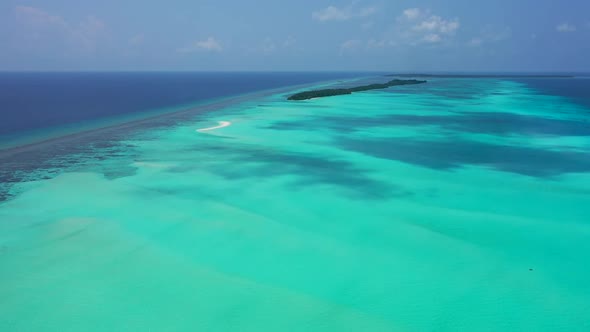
(404, 72)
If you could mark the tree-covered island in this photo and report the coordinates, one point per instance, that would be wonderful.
(346, 91)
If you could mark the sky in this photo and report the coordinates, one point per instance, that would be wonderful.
(303, 35)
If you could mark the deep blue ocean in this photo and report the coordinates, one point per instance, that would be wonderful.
(578, 89)
(33, 101)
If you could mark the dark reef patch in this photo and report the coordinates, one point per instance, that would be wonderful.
(475, 122)
(91, 152)
(496, 123)
(448, 155)
(309, 169)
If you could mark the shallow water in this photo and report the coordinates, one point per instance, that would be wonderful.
(461, 204)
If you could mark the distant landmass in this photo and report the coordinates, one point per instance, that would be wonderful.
(481, 75)
(346, 91)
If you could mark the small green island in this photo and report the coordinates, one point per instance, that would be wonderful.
(346, 91)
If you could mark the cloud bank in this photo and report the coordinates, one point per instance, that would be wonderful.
(332, 13)
(208, 45)
(565, 27)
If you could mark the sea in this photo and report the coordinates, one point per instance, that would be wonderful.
(209, 202)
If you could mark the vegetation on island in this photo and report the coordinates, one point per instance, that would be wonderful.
(482, 75)
(346, 91)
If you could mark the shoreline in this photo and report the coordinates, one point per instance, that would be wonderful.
(80, 130)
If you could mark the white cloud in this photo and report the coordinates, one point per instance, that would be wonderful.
(412, 13)
(92, 25)
(432, 38)
(351, 44)
(437, 24)
(332, 13)
(477, 41)
(36, 17)
(415, 26)
(208, 45)
(565, 27)
(53, 30)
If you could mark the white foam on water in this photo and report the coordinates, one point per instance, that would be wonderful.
(222, 124)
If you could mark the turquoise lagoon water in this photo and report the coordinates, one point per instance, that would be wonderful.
(459, 205)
